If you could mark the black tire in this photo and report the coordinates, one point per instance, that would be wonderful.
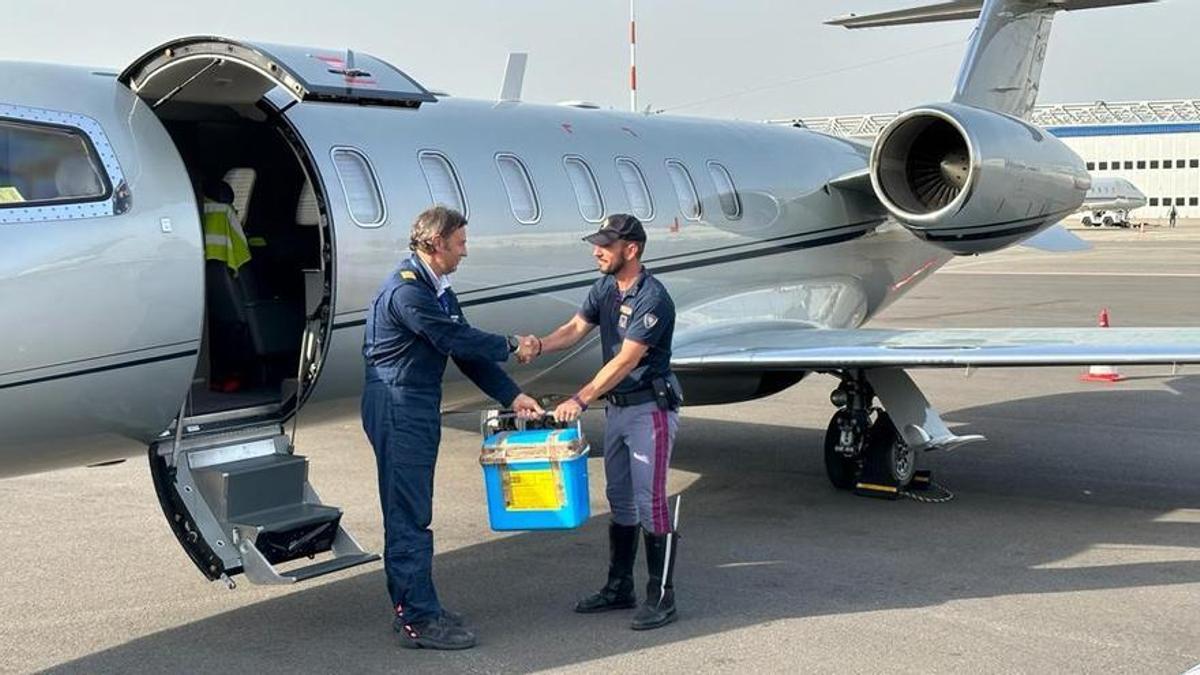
(1087, 221)
(884, 445)
(843, 471)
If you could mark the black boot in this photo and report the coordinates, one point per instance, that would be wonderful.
(618, 592)
(659, 608)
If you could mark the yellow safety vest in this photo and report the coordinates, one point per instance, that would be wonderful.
(224, 239)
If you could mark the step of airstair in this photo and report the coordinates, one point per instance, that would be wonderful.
(271, 514)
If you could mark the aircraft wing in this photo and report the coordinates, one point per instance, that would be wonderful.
(783, 345)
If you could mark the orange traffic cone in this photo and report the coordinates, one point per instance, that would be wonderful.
(1102, 373)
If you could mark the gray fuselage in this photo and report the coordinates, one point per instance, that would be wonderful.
(105, 316)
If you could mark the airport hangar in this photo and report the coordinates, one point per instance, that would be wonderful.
(1153, 144)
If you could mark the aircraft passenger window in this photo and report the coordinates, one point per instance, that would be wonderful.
(685, 189)
(731, 203)
(443, 183)
(640, 202)
(1141, 164)
(48, 165)
(360, 187)
(1154, 201)
(1091, 166)
(1104, 166)
(587, 192)
(241, 180)
(521, 196)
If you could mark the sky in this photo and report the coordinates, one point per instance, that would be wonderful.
(749, 59)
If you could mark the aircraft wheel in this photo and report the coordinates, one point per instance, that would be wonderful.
(843, 469)
(886, 446)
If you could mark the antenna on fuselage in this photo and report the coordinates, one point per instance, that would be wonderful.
(514, 77)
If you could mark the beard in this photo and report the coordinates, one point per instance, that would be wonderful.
(613, 267)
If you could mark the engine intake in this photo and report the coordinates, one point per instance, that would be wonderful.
(971, 180)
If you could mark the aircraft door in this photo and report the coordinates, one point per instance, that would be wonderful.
(230, 482)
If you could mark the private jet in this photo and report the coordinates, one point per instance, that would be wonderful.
(778, 245)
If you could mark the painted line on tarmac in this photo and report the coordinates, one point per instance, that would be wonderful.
(1011, 273)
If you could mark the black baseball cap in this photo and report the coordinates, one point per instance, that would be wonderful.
(617, 226)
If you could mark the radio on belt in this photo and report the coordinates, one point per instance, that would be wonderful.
(535, 473)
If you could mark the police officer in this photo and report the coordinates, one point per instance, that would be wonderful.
(637, 319)
(413, 324)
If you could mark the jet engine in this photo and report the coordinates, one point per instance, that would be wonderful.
(971, 180)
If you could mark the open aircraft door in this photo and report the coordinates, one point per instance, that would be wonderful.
(231, 485)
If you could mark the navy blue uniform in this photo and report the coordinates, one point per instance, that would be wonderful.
(639, 436)
(645, 314)
(410, 332)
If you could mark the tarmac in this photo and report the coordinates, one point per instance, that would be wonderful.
(1072, 544)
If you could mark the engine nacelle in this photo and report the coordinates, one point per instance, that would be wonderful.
(971, 180)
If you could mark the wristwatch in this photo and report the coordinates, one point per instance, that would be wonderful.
(513, 343)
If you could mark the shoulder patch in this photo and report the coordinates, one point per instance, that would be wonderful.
(408, 275)
(650, 320)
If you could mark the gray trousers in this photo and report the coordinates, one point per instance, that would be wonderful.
(638, 440)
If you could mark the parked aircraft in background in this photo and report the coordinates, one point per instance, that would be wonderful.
(1109, 201)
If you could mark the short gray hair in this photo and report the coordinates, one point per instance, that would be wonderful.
(432, 223)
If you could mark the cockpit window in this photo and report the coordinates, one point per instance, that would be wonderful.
(47, 165)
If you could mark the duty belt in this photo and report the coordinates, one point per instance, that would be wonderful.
(637, 397)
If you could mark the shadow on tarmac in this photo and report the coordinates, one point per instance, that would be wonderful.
(765, 538)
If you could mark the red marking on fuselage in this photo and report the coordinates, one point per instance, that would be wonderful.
(913, 275)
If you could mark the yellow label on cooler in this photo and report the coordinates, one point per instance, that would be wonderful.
(10, 195)
(536, 490)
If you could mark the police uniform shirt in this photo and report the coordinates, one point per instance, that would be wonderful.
(645, 314)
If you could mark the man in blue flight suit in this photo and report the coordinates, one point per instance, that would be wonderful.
(413, 324)
(637, 320)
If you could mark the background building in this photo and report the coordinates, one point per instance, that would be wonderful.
(1153, 144)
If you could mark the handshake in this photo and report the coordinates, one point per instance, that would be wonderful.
(529, 347)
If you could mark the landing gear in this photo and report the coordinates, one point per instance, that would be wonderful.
(863, 448)
(846, 436)
(874, 452)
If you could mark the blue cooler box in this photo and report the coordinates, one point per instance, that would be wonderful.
(529, 492)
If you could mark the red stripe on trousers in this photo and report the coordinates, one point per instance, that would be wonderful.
(658, 491)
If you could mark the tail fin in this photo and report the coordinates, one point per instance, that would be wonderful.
(1003, 66)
